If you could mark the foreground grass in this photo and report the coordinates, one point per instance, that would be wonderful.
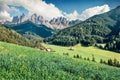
(85, 52)
(23, 63)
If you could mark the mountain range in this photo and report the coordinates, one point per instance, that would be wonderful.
(103, 28)
(55, 23)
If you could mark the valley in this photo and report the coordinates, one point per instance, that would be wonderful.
(59, 40)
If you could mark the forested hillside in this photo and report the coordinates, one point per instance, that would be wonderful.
(10, 36)
(101, 28)
(31, 30)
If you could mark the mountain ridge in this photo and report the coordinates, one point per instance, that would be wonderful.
(55, 23)
(40, 31)
(11, 36)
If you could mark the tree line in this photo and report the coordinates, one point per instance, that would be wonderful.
(111, 62)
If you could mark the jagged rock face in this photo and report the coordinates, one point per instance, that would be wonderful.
(34, 18)
(23, 18)
(15, 20)
(38, 19)
(55, 23)
(41, 20)
(59, 22)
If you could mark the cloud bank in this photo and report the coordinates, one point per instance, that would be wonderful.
(36, 6)
(49, 11)
(72, 16)
(94, 11)
(4, 15)
(5, 11)
(88, 12)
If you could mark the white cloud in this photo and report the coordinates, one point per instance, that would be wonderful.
(4, 15)
(88, 12)
(5, 11)
(13, 9)
(72, 16)
(93, 11)
(48, 10)
(36, 6)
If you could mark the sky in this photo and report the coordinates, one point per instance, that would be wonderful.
(80, 5)
(71, 9)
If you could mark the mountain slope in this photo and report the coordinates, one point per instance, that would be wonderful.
(99, 28)
(28, 28)
(18, 63)
(10, 36)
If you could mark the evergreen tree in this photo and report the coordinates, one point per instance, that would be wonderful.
(77, 56)
(110, 62)
(93, 58)
(85, 59)
(101, 61)
(115, 62)
(88, 59)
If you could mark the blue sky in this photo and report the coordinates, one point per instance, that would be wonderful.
(80, 5)
(20, 8)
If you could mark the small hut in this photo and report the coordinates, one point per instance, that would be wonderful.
(48, 49)
(71, 49)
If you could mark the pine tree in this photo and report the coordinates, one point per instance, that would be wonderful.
(93, 58)
(118, 64)
(74, 56)
(104, 62)
(84, 58)
(115, 62)
(110, 62)
(101, 61)
(77, 56)
(88, 59)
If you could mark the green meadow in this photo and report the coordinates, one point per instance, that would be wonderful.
(85, 52)
(24, 63)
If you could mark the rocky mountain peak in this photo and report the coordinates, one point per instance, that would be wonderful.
(23, 18)
(58, 23)
(15, 20)
(34, 18)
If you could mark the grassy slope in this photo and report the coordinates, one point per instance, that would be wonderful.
(85, 52)
(17, 62)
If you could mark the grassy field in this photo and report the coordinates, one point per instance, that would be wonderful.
(85, 52)
(23, 63)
